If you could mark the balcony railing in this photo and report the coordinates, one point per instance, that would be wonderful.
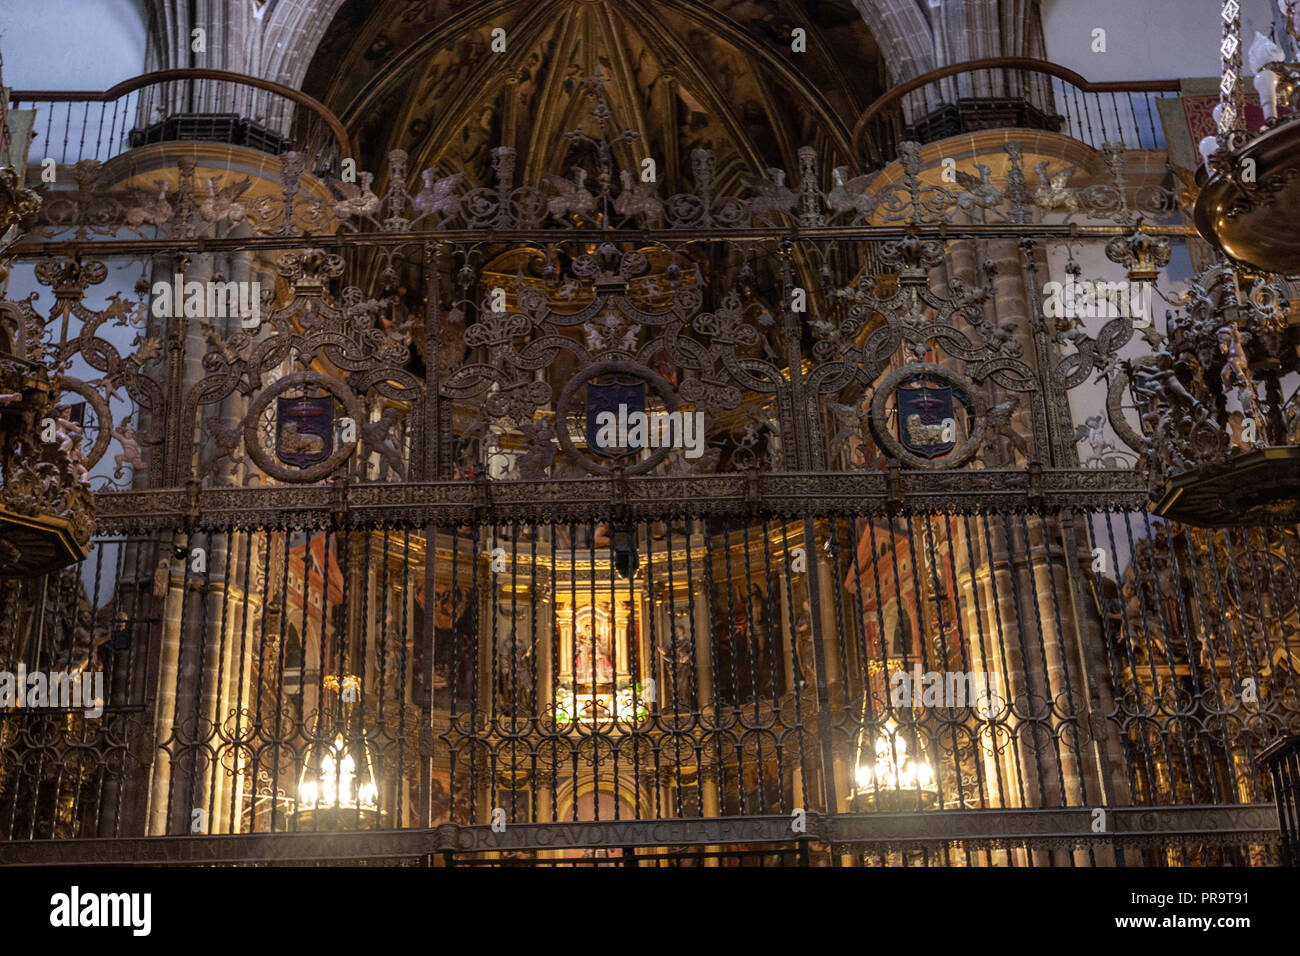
(199, 105)
(1011, 92)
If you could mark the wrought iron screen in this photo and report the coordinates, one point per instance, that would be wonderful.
(368, 583)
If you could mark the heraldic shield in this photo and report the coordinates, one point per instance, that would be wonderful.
(621, 401)
(926, 420)
(304, 430)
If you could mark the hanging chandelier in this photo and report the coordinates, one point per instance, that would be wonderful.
(1248, 205)
(337, 787)
(891, 771)
(1217, 402)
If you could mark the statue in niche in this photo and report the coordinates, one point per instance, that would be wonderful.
(514, 664)
(679, 665)
(805, 652)
(591, 654)
(162, 578)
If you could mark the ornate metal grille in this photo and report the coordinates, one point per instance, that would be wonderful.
(367, 587)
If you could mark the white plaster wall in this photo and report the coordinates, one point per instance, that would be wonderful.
(1145, 39)
(71, 44)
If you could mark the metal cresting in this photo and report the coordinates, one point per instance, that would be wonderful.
(395, 575)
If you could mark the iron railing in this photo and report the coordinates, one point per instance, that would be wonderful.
(1011, 92)
(511, 674)
(471, 631)
(186, 104)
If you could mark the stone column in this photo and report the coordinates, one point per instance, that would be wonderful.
(165, 692)
(1011, 305)
(700, 600)
(233, 693)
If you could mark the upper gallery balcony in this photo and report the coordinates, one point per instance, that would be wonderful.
(221, 118)
(1011, 93)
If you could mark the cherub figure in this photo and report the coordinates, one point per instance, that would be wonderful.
(130, 453)
(1236, 367)
(533, 463)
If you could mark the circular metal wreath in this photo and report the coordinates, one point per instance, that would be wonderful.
(612, 367)
(315, 472)
(1115, 407)
(962, 452)
(103, 418)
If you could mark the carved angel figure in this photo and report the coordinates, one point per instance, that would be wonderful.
(1091, 429)
(1236, 367)
(68, 434)
(1175, 422)
(1162, 384)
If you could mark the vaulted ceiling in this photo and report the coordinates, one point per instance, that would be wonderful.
(424, 77)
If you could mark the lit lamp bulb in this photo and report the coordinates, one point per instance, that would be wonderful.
(1209, 145)
(336, 783)
(863, 776)
(1262, 51)
(893, 769)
